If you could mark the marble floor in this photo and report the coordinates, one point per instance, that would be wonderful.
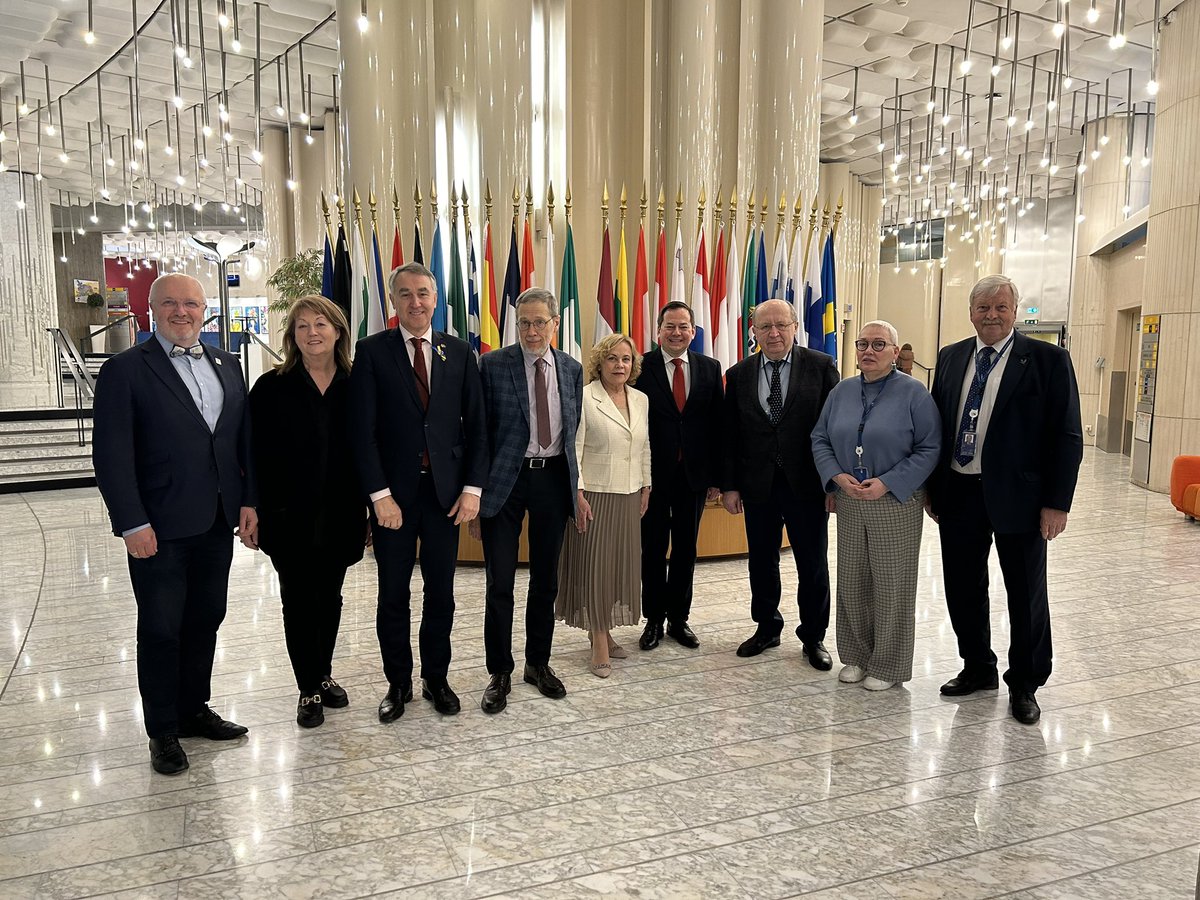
(687, 774)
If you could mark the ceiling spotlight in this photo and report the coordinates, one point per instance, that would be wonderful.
(1116, 42)
(256, 155)
(1068, 82)
(1080, 217)
(105, 194)
(1151, 87)
(80, 230)
(224, 207)
(995, 70)
(187, 62)
(1054, 169)
(236, 45)
(280, 111)
(1029, 124)
(1095, 154)
(133, 223)
(180, 180)
(292, 185)
(308, 139)
(222, 20)
(62, 259)
(1006, 42)
(94, 219)
(879, 146)
(179, 51)
(1058, 29)
(204, 162)
(1011, 121)
(20, 204)
(945, 120)
(1145, 161)
(1051, 104)
(133, 165)
(987, 161)
(942, 150)
(139, 144)
(965, 66)
(207, 129)
(110, 162)
(853, 118)
(50, 129)
(1093, 14)
(166, 223)
(89, 37)
(1081, 168)
(1126, 159)
(169, 150)
(1104, 140)
(37, 177)
(23, 109)
(178, 101)
(227, 137)
(145, 207)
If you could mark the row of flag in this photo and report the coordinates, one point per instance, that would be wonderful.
(722, 296)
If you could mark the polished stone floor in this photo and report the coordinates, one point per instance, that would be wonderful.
(687, 774)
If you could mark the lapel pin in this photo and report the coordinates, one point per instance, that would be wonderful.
(217, 360)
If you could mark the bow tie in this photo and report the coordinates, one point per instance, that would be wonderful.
(195, 351)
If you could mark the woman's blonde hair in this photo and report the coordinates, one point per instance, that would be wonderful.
(603, 348)
(317, 305)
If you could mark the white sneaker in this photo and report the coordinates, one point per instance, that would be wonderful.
(852, 674)
(876, 684)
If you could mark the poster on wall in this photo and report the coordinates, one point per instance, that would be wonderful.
(84, 287)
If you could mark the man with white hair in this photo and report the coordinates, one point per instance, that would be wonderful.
(1011, 448)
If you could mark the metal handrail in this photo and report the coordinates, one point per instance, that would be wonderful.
(245, 348)
(85, 384)
(114, 323)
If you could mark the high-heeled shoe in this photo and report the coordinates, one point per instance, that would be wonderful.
(601, 670)
(616, 651)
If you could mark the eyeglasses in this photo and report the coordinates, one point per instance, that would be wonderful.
(876, 345)
(780, 327)
(535, 324)
(189, 305)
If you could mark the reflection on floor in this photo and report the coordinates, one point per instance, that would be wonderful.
(687, 774)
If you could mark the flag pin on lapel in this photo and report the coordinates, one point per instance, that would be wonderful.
(217, 360)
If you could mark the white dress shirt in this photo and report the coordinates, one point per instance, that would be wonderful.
(687, 371)
(986, 404)
(555, 404)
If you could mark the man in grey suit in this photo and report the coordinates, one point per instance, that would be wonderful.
(533, 395)
(772, 401)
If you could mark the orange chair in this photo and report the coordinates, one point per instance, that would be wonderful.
(1185, 485)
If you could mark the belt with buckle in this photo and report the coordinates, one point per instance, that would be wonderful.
(539, 462)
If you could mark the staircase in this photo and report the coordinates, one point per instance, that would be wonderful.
(45, 449)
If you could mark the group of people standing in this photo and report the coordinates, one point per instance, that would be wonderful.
(612, 468)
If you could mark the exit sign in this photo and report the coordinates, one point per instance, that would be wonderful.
(1031, 321)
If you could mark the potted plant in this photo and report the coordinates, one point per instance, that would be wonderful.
(296, 277)
(95, 301)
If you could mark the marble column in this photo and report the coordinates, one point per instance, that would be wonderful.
(1171, 289)
(278, 216)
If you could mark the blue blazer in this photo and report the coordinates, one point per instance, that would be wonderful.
(155, 459)
(390, 431)
(506, 395)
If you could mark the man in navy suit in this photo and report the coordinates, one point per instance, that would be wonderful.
(1011, 449)
(533, 394)
(685, 394)
(171, 451)
(420, 443)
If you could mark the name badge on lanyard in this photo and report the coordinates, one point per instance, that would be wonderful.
(860, 471)
(967, 446)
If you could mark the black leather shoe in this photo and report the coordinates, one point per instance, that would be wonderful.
(443, 698)
(391, 707)
(968, 682)
(818, 656)
(651, 635)
(545, 680)
(683, 635)
(333, 694)
(166, 756)
(757, 643)
(1025, 707)
(207, 724)
(495, 695)
(309, 711)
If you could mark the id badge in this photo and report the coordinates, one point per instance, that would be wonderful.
(860, 473)
(967, 447)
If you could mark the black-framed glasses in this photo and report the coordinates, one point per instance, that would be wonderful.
(877, 345)
(535, 324)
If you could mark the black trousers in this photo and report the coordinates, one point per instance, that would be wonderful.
(966, 536)
(181, 594)
(808, 530)
(545, 495)
(672, 519)
(396, 554)
(311, 590)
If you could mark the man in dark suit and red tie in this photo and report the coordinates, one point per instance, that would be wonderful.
(533, 394)
(685, 394)
(171, 448)
(420, 443)
(1011, 448)
(772, 401)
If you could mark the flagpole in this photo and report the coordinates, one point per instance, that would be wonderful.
(395, 208)
(718, 221)
(374, 212)
(325, 212)
(762, 213)
(417, 206)
(837, 216)
(812, 226)
(750, 214)
(662, 215)
(550, 211)
(341, 208)
(797, 215)
(679, 210)
(567, 203)
(516, 204)
(779, 229)
(700, 204)
(528, 199)
(604, 208)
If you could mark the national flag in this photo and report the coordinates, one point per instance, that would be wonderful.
(716, 322)
(377, 316)
(570, 339)
(660, 272)
(621, 310)
(641, 318)
(472, 317)
(779, 269)
(814, 303)
(761, 294)
(418, 253)
(360, 291)
(489, 326)
(437, 265)
(342, 275)
(749, 297)
(397, 261)
(456, 299)
(829, 296)
(732, 337)
(606, 321)
(795, 285)
(677, 267)
(511, 290)
(701, 301)
(527, 264)
(327, 270)
(397, 249)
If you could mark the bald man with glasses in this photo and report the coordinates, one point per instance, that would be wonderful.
(772, 402)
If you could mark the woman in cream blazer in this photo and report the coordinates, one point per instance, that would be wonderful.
(600, 580)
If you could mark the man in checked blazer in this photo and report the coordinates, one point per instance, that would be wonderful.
(533, 394)
(772, 401)
(420, 444)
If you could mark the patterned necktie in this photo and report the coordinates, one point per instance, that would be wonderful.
(541, 402)
(969, 422)
(678, 388)
(775, 397)
(195, 351)
(422, 375)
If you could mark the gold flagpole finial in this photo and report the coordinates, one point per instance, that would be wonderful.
(825, 217)
(395, 206)
(516, 204)
(325, 210)
(466, 210)
(528, 198)
(357, 206)
(341, 208)
(433, 201)
(487, 199)
(662, 206)
(567, 203)
(797, 212)
(762, 210)
(550, 205)
(750, 210)
(812, 216)
(374, 212)
(718, 213)
(733, 207)
(679, 206)
(624, 204)
(701, 202)
(604, 204)
(643, 201)
(453, 205)
(417, 200)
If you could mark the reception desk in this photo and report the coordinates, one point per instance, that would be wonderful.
(721, 535)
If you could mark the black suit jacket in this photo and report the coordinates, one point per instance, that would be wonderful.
(391, 430)
(1034, 441)
(696, 431)
(752, 443)
(155, 459)
(308, 493)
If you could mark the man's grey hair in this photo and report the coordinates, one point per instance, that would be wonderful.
(990, 285)
(412, 268)
(791, 309)
(538, 295)
(886, 326)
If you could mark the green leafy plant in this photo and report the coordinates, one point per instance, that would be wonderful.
(296, 277)
(95, 300)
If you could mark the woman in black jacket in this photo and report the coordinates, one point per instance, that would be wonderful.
(312, 515)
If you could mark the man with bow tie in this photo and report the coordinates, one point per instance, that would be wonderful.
(171, 452)
(420, 443)
(1011, 448)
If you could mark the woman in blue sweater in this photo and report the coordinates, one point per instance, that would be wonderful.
(876, 443)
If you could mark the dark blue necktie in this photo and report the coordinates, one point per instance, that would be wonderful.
(983, 366)
(775, 397)
(195, 351)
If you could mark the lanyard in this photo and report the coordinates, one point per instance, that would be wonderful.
(867, 408)
(973, 415)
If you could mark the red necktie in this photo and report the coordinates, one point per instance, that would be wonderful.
(677, 385)
(422, 375)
